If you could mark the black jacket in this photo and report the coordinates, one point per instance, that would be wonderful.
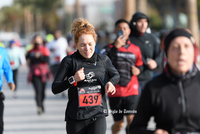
(149, 49)
(148, 45)
(95, 70)
(173, 101)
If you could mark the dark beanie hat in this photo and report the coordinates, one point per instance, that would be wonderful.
(176, 33)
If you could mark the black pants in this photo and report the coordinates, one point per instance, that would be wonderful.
(54, 69)
(39, 87)
(88, 126)
(15, 72)
(1, 112)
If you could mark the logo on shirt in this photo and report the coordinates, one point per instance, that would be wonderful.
(127, 55)
(81, 90)
(89, 77)
(95, 87)
(147, 42)
(135, 86)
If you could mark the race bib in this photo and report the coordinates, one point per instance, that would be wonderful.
(57, 58)
(89, 96)
(12, 63)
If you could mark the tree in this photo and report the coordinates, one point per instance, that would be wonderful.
(26, 16)
(45, 9)
(130, 8)
(142, 6)
(193, 19)
(168, 7)
(10, 17)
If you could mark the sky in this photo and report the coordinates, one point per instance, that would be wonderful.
(70, 2)
(9, 2)
(5, 3)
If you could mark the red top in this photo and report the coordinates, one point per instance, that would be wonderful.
(133, 85)
(39, 67)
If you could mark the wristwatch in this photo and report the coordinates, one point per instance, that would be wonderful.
(72, 80)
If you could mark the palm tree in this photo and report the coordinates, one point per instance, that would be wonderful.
(130, 8)
(142, 6)
(191, 6)
(26, 16)
(10, 18)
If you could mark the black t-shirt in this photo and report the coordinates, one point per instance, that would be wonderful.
(95, 70)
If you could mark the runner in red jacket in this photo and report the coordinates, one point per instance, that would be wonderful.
(127, 59)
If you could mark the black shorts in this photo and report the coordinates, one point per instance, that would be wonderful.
(121, 106)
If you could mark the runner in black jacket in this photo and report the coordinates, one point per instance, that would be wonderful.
(83, 73)
(173, 97)
(149, 46)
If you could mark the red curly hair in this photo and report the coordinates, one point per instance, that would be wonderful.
(82, 26)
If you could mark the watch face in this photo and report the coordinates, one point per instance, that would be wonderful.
(71, 80)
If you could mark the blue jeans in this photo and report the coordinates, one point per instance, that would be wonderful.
(141, 86)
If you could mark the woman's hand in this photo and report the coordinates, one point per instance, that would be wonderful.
(79, 75)
(110, 88)
(161, 131)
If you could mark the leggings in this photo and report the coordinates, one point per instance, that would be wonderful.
(15, 72)
(88, 126)
(1, 112)
(39, 87)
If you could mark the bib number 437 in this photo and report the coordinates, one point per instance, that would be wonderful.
(90, 99)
